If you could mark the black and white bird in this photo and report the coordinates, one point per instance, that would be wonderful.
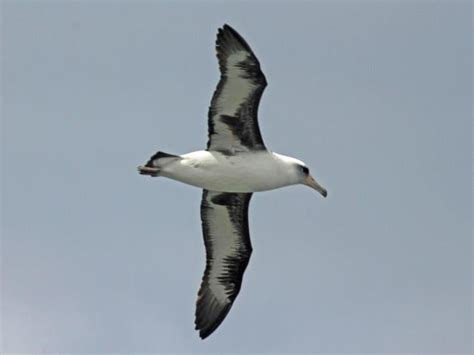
(235, 164)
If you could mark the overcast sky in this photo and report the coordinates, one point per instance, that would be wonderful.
(374, 96)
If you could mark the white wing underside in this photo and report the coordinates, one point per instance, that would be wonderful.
(233, 122)
(226, 237)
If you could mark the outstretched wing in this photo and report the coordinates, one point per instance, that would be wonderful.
(225, 227)
(233, 121)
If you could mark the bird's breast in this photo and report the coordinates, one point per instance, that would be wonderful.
(231, 173)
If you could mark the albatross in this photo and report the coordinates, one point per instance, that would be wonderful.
(235, 164)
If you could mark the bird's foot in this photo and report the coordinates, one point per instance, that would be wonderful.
(147, 170)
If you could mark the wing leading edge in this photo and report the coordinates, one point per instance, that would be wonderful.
(233, 114)
(225, 227)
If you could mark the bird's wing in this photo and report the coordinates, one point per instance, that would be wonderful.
(225, 227)
(233, 122)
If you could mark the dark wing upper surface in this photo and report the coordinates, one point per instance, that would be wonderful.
(233, 121)
(225, 227)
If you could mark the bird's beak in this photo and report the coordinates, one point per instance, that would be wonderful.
(309, 181)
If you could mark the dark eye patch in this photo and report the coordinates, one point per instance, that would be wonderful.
(305, 170)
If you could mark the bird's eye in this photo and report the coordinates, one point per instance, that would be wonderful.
(305, 170)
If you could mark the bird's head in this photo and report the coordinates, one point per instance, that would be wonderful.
(305, 178)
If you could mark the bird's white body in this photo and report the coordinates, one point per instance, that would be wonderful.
(235, 164)
(241, 172)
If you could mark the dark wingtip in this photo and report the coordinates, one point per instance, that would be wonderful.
(203, 335)
(228, 36)
(209, 329)
(208, 319)
(228, 27)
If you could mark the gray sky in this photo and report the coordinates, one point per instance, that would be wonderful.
(374, 96)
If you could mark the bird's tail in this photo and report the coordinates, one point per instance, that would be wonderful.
(156, 162)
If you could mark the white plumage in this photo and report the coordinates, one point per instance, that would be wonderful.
(235, 164)
(243, 172)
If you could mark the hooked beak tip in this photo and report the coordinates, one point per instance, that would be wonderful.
(324, 193)
(309, 181)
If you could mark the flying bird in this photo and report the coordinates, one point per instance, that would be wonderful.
(235, 164)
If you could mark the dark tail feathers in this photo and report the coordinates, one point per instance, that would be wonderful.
(159, 155)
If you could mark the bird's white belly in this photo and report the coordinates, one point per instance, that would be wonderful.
(244, 172)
